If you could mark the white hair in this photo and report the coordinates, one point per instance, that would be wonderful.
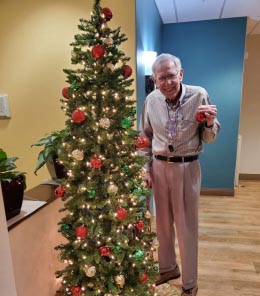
(166, 57)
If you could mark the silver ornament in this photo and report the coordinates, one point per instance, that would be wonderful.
(110, 66)
(78, 154)
(104, 122)
(112, 188)
(90, 271)
(108, 41)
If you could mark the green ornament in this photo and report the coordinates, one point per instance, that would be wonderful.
(155, 268)
(126, 122)
(125, 169)
(133, 111)
(138, 191)
(65, 228)
(74, 85)
(117, 249)
(138, 255)
(91, 193)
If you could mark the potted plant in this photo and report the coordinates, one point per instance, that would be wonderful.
(13, 184)
(49, 155)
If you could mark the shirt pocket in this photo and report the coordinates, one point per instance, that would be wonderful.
(187, 128)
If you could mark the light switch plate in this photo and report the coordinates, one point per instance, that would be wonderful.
(4, 106)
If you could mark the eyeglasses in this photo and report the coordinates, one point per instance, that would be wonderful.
(168, 77)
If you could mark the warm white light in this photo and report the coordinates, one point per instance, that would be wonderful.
(148, 59)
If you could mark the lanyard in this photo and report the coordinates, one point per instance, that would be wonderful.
(173, 120)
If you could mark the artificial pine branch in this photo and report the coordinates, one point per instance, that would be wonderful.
(107, 225)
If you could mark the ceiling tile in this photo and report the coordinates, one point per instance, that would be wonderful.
(198, 9)
(166, 11)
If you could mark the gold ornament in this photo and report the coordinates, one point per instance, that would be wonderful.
(112, 188)
(90, 285)
(90, 271)
(156, 243)
(78, 154)
(143, 184)
(104, 122)
(120, 280)
(109, 136)
(148, 215)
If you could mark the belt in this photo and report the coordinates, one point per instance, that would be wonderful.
(177, 158)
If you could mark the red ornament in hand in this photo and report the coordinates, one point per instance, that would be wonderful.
(98, 51)
(104, 251)
(142, 142)
(121, 213)
(140, 225)
(127, 71)
(144, 277)
(107, 13)
(78, 116)
(201, 117)
(81, 232)
(76, 290)
(65, 92)
(96, 162)
(60, 191)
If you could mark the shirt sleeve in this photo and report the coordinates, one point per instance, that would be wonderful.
(209, 134)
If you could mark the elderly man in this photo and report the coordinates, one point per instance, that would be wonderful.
(176, 118)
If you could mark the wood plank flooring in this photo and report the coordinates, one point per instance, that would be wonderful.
(229, 245)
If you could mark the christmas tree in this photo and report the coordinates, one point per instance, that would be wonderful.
(109, 243)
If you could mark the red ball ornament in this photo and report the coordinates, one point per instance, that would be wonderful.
(65, 92)
(76, 290)
(81, 232)
(96, 162)
(78, 116)
(140, 225)
(121, 213)
(127, 71)
(201, 117)
(142, 142)
(104, 251)
(60, 191)
(144, 277)
(98, 51)
(107, 13)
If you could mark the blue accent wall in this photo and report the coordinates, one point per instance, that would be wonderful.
(212, 54)
(148, 37)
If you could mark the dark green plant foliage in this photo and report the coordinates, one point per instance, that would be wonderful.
(7, 166)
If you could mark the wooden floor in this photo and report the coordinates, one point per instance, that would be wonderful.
(229, 245)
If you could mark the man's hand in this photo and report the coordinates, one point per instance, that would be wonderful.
(210, 112)
(148, 179)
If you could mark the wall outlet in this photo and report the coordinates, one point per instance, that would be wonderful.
(4, 106)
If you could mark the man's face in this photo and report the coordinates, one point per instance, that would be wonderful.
(167, 79)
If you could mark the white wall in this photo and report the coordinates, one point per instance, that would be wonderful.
(250, 109)
(7, 282)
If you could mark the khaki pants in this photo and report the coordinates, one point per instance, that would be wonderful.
(176, 189)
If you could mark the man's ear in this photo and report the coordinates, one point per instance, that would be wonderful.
(181, 74)
(154, 80)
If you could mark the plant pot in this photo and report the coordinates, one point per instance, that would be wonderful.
(56, 169)
(13, 192)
